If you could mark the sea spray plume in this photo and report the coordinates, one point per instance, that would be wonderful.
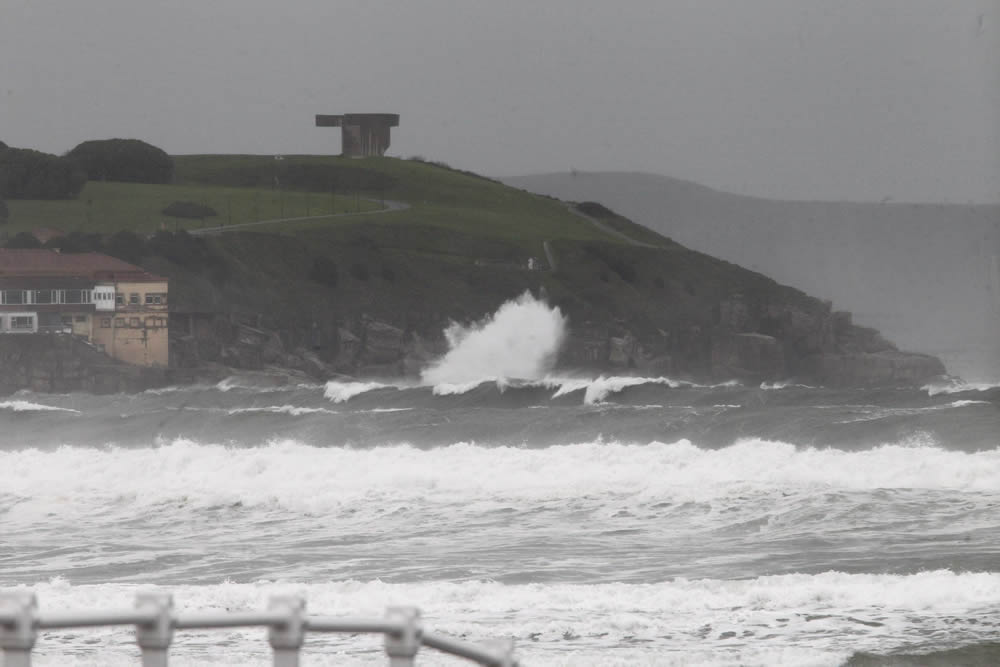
(520, 340)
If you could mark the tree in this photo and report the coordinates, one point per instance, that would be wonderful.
(127, 246)
(24, 240)
(28, 174)
(127, 160)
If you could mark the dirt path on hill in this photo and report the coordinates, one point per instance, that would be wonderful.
(221, 229)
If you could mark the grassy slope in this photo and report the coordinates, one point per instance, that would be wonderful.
(110, 207)
(438, 197)
(241, 188)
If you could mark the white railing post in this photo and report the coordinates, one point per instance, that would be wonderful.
(286, 639)
(18, 631)
(402, 648)
(154, 639)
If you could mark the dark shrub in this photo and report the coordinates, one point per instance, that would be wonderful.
(189, 209)
(610, 256)
(128, 160)
(77, 242)
(324, 272)
(189, 251)
(126, 245)
(359, 271)
(4, 212)
(23, 240)
(595, 210)
(28, 174)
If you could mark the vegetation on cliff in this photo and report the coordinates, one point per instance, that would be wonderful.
(126, 160)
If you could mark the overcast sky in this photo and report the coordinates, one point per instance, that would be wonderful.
(800, 99)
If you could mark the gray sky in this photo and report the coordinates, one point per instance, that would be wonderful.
(852, 99)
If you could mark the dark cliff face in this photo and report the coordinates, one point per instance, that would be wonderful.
(383, 302)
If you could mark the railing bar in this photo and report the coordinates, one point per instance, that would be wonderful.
(232, 619)
(461, 648)
(84, 619)
(334, 624)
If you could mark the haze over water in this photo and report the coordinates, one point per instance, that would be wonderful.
(599, 521)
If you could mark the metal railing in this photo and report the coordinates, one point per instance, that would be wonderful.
(155, 620)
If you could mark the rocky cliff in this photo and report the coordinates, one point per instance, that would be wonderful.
(652, 310)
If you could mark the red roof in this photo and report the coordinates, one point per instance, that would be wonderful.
(36, 262)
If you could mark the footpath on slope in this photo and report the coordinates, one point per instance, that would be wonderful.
(607, 228)
(221, 229)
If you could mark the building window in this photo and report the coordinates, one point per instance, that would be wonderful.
(133, 299)
(22, 322)
(44, 296)
(74, 296)
(119, 299)
(119, 321)
(13, 297)
(105, 322)
(156, 299)
(134, 322)
(80, 318)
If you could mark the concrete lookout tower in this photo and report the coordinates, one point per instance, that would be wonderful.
(362, 134)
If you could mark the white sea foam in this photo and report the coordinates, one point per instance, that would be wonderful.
(341, 392)
(958, 387)
(520, 340)
(602, 387)
(28, 406)
(457, 388)
(784, 384)
(294, 410)
(793, 619)
(301, 478)
(964, 404)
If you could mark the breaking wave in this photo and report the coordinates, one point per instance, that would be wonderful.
(28, 406)
(303, 477)
(520, 340)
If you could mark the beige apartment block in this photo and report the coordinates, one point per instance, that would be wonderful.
(116, 306)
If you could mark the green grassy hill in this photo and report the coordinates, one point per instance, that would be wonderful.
(253, 188)
(106, 207)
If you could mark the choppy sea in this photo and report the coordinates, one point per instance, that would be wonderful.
(599, 521)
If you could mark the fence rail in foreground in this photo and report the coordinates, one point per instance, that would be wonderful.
(155, 620)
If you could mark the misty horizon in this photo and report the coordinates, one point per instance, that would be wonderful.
(832, 101)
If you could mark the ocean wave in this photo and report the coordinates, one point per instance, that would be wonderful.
(293, 410)
(958, 387)
(28, 406)
(303, 478)
(774, 386)
(341, 392)
(819, 619)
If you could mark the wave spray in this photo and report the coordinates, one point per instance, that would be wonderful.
(519, 341)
